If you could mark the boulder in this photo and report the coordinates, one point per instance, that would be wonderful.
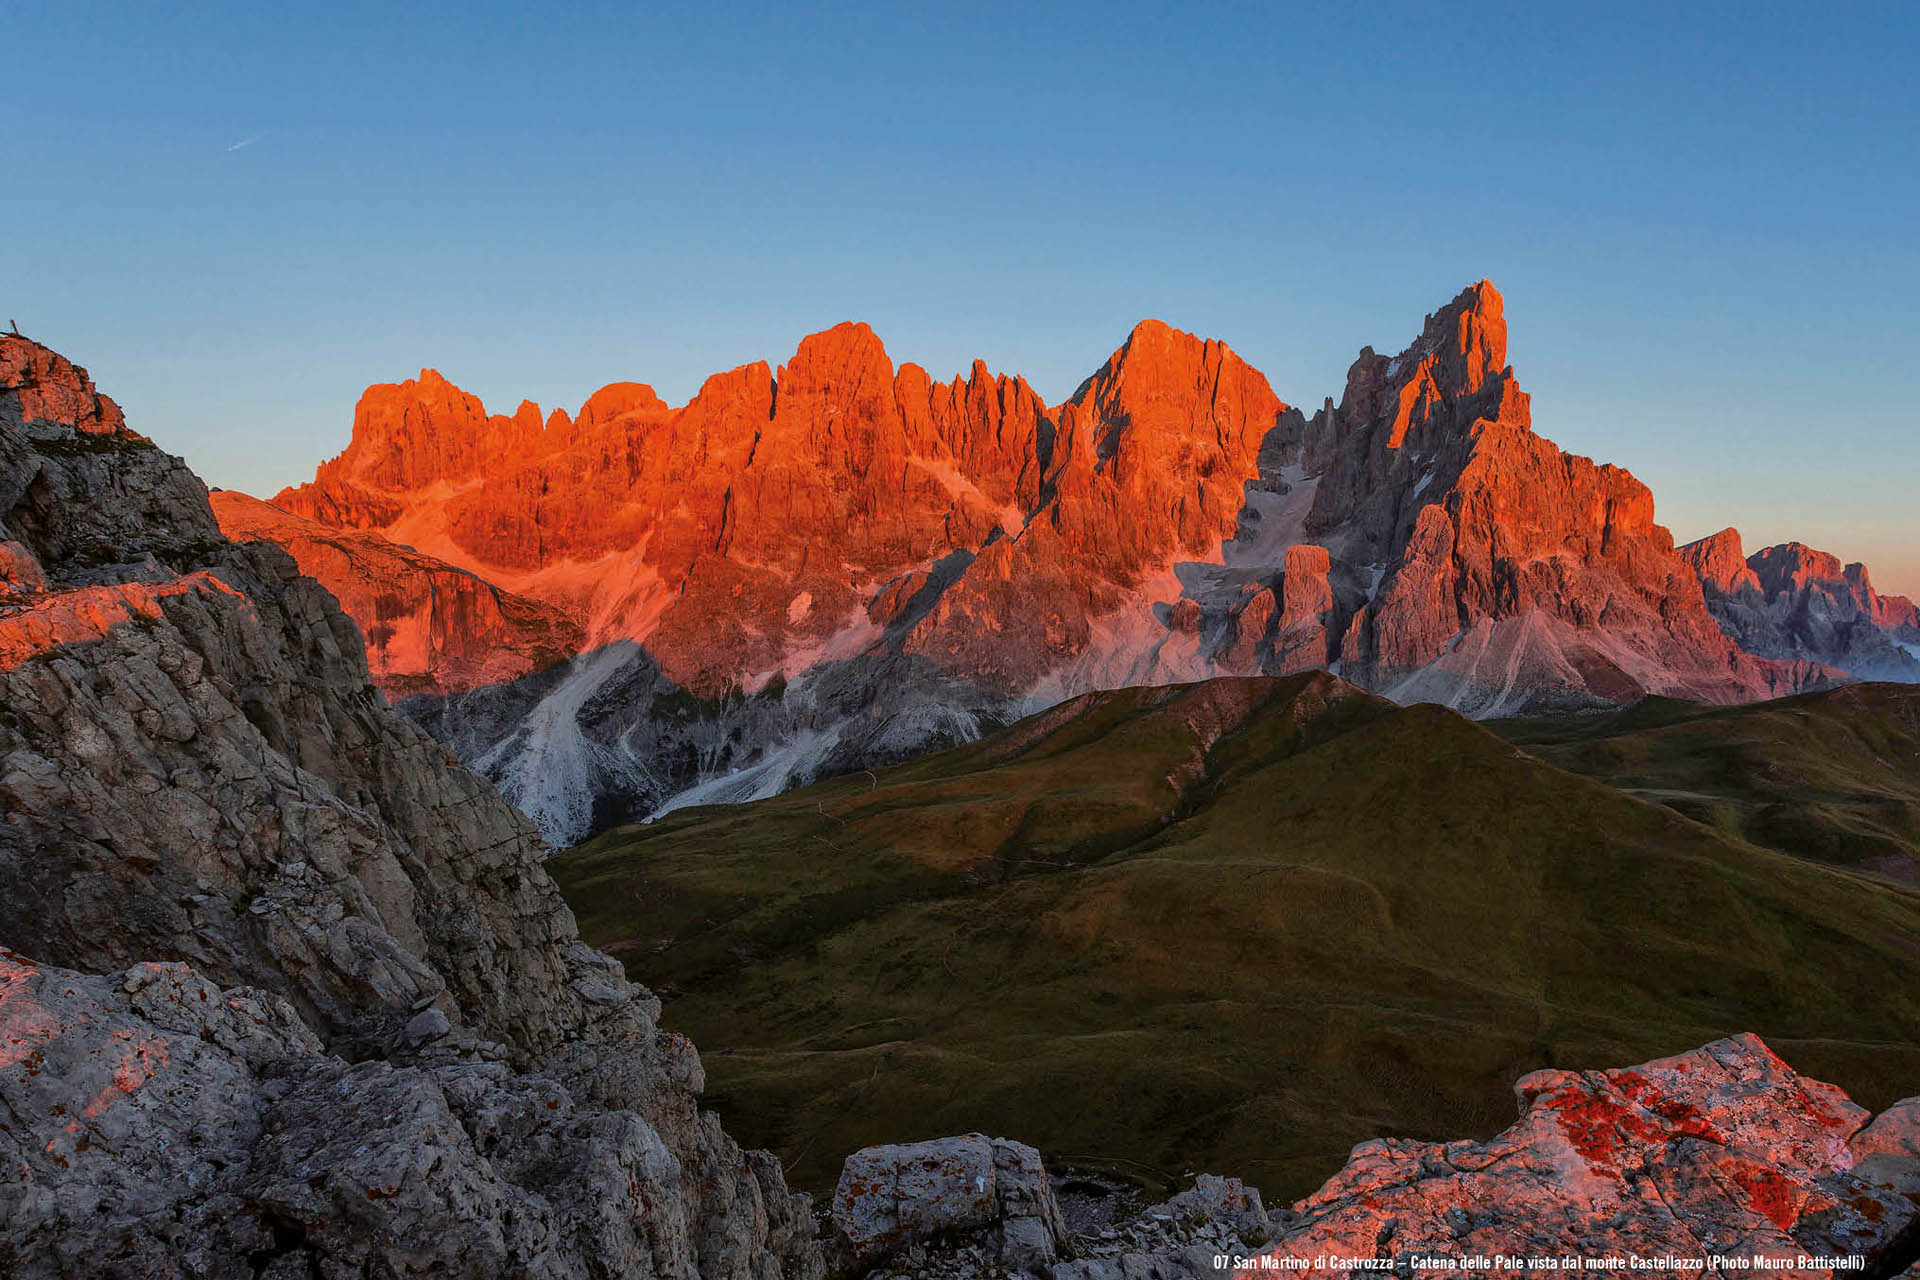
(1224, 1200)
(890, 1197)
(1894, 1132)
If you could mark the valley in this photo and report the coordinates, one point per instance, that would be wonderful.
(1250, 922)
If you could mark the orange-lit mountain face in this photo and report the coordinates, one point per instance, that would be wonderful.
(892, 561)
(777, 520)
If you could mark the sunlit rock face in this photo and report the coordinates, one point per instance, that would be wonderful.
(430, 627)
(1721, 1152)
(1792, 602)
(283, 989)
(814, 535)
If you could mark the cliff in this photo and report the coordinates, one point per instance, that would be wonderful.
(284, 990)
(1792, 602)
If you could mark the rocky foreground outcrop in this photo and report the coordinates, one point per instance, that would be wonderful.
(820, 529)
(1719, 1159)
(892, 1197)
(1723, 1151)
(1794, 603)
(284, 991)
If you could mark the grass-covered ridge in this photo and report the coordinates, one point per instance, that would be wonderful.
(1832, 776)
(1239, 925)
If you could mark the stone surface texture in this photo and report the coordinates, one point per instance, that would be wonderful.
(284, 990)
(891, 1197)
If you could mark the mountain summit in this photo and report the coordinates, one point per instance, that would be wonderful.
(841, 561)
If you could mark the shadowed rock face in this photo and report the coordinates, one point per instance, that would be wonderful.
(283, 990)
(1172, 520)
(1792, 602)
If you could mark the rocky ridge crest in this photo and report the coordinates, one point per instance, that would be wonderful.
(1794, 603)
(804, 530)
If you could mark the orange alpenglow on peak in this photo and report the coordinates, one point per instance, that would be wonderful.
(1482, 335)
(1173, 519)
(45, 384)
(1720, 562)
(731, 503)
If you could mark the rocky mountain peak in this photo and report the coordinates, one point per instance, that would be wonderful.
(1793, 566)
(1791, 601)
(1175, 376)
(838, 515)
(620, 403)
(1476, 323)
(1721, 561)
(1501, 570)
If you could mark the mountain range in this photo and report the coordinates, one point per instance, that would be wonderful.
(840, 563)
(285, 991)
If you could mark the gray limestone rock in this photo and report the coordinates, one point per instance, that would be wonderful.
(285, 991)
(891, 1197)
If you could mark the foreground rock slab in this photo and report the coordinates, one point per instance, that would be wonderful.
(890, 1197)
(1722, 1160)
(1720, 1152)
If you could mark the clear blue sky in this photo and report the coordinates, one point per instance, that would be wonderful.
(1702, 216)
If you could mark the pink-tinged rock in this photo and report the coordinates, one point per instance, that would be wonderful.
(1306, 602)
(86, 614)
(430, 627)
(1721, 563)
(1724, 1149)
(20, 572)
(1894, 1132)
(1305, 595)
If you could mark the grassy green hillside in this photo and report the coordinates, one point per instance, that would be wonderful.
(1831, 776)
(1235, 926)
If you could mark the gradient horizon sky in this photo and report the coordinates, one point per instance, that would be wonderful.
(1702, 217)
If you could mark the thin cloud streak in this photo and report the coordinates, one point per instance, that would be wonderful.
(247, 142)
